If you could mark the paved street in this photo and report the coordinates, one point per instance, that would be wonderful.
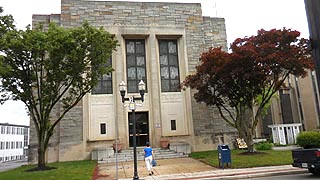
(289, 177)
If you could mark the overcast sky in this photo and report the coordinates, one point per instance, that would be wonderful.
(243, 18)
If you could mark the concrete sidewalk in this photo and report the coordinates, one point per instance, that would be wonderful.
(5, 166)
(187, 168)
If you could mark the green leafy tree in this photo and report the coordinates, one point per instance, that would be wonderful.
(47, 68)
(6, 24)
(241, 83)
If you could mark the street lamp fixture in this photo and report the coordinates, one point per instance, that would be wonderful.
(132, 106)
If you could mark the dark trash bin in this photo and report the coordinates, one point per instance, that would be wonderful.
(224, 156)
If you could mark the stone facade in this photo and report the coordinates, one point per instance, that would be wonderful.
(78, 134)
(195, 125)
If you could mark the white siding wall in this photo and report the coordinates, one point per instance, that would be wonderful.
(11, 142)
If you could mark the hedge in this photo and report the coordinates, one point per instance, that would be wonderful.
(263, 146)
(309, 139)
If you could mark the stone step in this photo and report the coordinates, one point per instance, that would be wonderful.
(140, 150)
(156, 154)
(106, 154)
(155, 151)
(139, 158)
(127, 155)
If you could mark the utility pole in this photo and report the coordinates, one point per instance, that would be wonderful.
(313, 16)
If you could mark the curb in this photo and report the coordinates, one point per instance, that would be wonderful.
(245, 175)
(257, 175)
(230, 176)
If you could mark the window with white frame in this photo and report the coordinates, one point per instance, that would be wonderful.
(3, 129)
(8, 129)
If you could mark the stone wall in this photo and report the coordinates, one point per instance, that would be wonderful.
(200, 34)
(210, 129)
(45, 20)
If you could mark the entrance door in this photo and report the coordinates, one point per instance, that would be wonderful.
(142, 128)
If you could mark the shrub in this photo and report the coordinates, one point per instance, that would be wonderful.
(263, 146)
(309, 139)
(280, 145)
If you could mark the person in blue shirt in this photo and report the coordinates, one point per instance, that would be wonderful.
(148, 156)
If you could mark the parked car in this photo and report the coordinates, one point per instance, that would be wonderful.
(307, 158)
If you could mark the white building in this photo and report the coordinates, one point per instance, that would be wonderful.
(14, 141)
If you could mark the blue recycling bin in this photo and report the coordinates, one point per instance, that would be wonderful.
(224, 155)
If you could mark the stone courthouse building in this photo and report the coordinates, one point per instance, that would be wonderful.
(159, 43)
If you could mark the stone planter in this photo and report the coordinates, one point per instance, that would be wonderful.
(117, 148)
(164, 143)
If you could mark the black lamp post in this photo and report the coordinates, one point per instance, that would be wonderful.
(132, 107)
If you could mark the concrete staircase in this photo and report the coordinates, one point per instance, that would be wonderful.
(127, 155)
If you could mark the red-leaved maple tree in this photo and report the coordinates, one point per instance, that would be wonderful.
(255, 69)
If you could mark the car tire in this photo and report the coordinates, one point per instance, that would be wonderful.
(314, 171)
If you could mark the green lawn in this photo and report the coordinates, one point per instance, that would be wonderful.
(268, 158)
(76, 170)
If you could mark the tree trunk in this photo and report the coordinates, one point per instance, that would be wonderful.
(247, 136)
(249, 140)
(41, 157)
(41, 149)
(245, 126)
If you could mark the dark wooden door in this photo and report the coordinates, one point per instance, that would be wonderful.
(142, 128)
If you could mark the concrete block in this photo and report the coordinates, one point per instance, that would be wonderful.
(181, 147)
(101, 153)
